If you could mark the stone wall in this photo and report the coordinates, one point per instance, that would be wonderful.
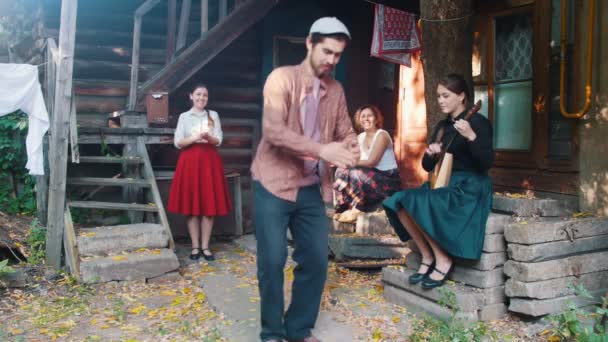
(593, 128)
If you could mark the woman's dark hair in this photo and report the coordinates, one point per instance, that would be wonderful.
(196, 86)
(377, 114)
(457, 84)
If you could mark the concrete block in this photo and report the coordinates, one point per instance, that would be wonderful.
(497, 222)
(493, 312)
(372, 247)
(116, 239)
(165, 278)
(555, 250)
(544, 207)
(541, 307)
(466, 275)
(554, 288)
(549, 230)
(468, 298)
(373, 223)
(571, 266)
(341, 227)
(132, 267)
(418, 304)
(494, 243)
(487, 261)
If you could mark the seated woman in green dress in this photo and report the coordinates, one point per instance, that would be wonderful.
(450, 221)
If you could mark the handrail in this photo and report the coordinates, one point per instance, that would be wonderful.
(562, 69)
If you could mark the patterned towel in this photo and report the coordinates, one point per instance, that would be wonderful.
(396, 35)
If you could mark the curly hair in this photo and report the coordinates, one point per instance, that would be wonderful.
(377, 114)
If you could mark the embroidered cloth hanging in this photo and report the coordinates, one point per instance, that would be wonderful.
(20, 89)
(395, 35)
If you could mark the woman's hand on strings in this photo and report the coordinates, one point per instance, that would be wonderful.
(433, 149)
(464, 128)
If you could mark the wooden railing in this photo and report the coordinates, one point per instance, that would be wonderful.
(174, 45)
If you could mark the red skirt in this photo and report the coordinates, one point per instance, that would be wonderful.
(199, 187)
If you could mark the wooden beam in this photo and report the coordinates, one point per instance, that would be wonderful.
(204, 17)
(134, 64)
(184, 19)
(171, 22)
(204, 50)
(74, 132)
(113, 206)
(70, 246)
(223, 9)
(60, 130)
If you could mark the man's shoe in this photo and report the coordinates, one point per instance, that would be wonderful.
(307, 339)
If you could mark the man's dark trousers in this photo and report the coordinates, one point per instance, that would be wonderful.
(309, 227)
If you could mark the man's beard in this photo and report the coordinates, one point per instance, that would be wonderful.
(320, 70)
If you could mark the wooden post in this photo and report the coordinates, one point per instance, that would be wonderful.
(223, 9)
(204, 16)
(60, 131)
(184, 18)
(134, 64)
(171, 21)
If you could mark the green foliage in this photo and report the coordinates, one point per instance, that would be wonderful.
(569, 325)
(36, 241)
(17, 195)
(5, 268)
(452, 329)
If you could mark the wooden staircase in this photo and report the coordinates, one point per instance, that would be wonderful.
(123, 252)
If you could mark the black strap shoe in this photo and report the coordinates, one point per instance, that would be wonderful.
(195, 256)
(208, 257)
(418, 277)
(428, 283)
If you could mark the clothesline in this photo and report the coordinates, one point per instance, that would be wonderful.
(431, 20)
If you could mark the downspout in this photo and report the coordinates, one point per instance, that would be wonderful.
(562, 70)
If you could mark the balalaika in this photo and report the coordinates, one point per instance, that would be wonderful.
(440, 177)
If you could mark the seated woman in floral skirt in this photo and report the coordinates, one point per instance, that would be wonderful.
(375, 176)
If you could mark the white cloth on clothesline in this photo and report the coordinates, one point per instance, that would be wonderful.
(20, 89)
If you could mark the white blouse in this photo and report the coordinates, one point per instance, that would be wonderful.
(191, 123)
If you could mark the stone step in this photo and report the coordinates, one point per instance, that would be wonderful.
(549, 230)
(543, 207)
(419, 304)
(494, 243)
(116, 239)
(554, 288)
(368, 247)
(487, 262)
(131, 266)
(342, 227)
(374, 223)
(570, 266)
(541, 307)
(465, 274)
(554, 250)
(497, 222)
(468, 298)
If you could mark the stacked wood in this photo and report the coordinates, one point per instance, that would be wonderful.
(547, 256)
(477, 285)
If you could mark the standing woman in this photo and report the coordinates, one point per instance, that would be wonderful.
(449, 222)
(199, 189)
(375, 176)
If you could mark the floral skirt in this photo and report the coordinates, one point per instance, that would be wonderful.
(363, 187)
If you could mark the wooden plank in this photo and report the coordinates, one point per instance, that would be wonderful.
(223, 9)
(134, 64)
(189, 62)
(60, 129)
(171, 22)
(92, 181)
(117, 139)
(148, 173)
(145, 7)
(112, 206)
(110, 160)
(108, 70)
(70, 246)
(119, 53)
(74, 132)
(204, 16)
(238, 205)
(183, 24)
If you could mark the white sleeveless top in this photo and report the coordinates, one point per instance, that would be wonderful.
(388, 161)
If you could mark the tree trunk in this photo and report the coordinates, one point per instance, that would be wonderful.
(447, 46)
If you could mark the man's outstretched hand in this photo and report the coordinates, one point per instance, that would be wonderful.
(339, 154)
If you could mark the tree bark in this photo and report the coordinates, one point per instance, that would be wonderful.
(447, 35)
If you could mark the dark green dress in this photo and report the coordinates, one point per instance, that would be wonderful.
(455, 216)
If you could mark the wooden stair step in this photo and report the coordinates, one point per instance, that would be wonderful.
(110, 160)
(113, 206)
(87, 69)
(116, 239)
(108, 181)
(118, 53)
(111, 37)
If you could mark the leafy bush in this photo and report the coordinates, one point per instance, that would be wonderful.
(5, 268)
(569, 326)
(17, 195)
(36, 240)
